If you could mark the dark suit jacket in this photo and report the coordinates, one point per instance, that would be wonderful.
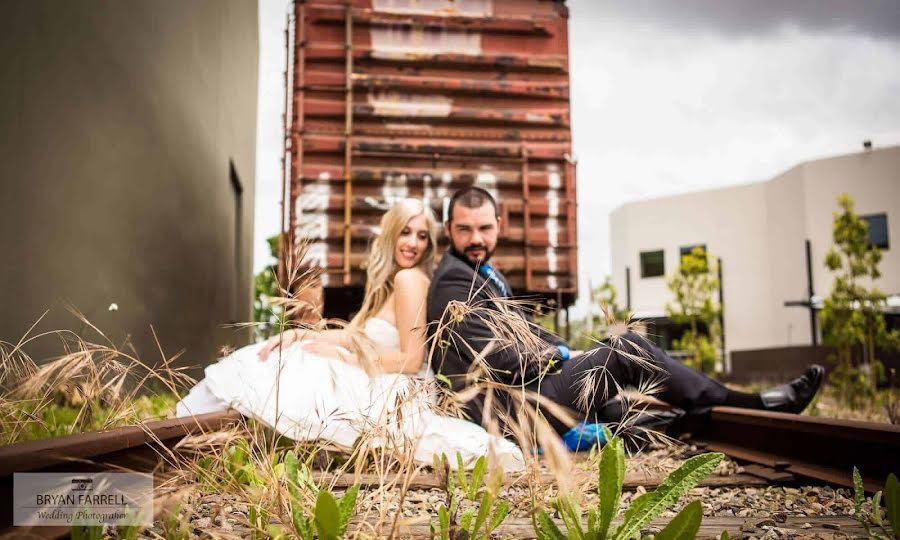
(456, 279)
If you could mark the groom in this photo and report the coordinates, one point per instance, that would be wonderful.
(553, 370)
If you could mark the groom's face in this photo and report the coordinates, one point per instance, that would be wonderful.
(473, 231)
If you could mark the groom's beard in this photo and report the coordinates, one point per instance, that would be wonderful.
(467, 254)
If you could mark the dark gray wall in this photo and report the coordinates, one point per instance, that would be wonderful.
(118, 124)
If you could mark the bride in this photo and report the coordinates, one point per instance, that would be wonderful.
(308, 385)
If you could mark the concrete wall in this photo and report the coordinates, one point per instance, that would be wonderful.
(801, 205)
(119, 125)
(759, 231)
(785, 233)
(873, 180)
(728, 221)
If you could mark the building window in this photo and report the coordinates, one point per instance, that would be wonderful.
(687, 250)
(878, 230)
(653, 264)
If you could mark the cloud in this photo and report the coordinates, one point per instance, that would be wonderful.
(742, 18)
(676, 96)
(657, 113)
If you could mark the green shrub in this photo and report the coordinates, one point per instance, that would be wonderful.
(643, 509)
(487, 512)
(330, 515)
(872, 521)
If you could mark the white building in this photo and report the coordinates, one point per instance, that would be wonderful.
(759, 231)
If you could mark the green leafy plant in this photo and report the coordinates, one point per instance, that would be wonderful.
(175, 528)
(891, 403)
(608, 320)
(607, 297)
(86, 532)
(487, 512)
(852, 386)
(269, 317)
(239, 464)
(205, 468)
(128, 532)
(693, 287)
(872, 521)
(330, 515)
(54, 417)
(260, 524)
(685, 525)
(643, 509)
(853, 314)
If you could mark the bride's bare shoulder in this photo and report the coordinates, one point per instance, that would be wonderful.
(410, 277)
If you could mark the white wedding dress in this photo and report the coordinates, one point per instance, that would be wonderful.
(308, 396)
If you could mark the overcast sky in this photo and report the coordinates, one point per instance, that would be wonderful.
(672, 96)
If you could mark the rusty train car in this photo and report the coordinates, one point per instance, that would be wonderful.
(416, 98)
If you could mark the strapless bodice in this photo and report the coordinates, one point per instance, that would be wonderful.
(383, 333)
(386, 336)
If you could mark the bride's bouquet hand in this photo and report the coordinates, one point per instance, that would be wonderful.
(284, 340)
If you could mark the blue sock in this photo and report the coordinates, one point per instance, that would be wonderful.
(584, 436)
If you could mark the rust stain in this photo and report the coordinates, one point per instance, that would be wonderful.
(417, 98)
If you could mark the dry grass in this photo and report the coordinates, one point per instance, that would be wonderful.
(248, 462)
(381, 452)
(883, 408)
(90, 386)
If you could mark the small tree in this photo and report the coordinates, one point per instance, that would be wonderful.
(853, 314)
(266, 315)
(693, 287)
(596, 328)
(606, 297)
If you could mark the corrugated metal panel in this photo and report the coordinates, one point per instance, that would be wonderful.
(416, 98)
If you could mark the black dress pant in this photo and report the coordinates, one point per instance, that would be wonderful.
(606, 369)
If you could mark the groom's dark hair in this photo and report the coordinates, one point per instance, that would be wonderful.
(470, 197)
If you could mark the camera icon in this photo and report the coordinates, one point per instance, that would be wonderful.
(82, 484)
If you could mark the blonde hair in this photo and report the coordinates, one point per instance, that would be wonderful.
(381, 267)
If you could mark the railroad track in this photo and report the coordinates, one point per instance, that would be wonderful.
(132, 448)
(779, 447)
(824, 449)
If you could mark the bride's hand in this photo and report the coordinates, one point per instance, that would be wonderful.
(285, 340)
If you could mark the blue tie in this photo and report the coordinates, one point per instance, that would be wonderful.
(488, 272)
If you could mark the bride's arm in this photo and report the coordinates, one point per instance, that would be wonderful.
(334, 337)
(411, 292)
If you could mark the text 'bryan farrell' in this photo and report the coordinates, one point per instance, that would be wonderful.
(111, 499)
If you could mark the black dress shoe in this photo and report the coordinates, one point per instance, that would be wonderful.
(794, 396)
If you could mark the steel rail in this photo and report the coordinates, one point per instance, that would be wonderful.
(819, 448)
(825, 449)
(130, 448)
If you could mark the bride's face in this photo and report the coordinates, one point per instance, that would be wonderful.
(412, 242)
